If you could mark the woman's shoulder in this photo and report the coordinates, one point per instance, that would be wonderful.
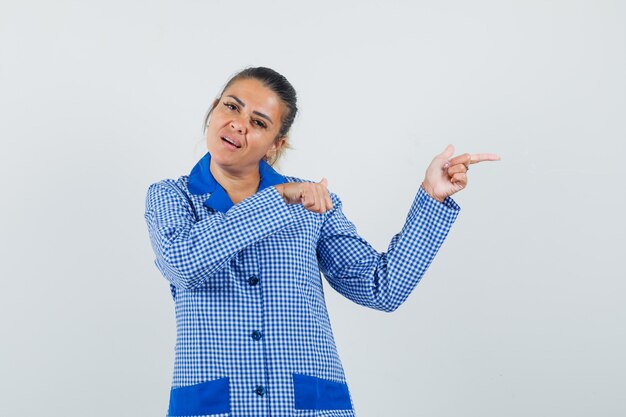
(170, 190)
(180, 184)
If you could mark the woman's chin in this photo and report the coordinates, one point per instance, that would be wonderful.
(224, 158)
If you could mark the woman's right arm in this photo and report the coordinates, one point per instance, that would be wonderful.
(189, 252)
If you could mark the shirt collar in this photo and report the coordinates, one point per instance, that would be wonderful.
(201, 181)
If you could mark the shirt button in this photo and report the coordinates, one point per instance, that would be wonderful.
(253, 280)
(256, 335)
(259, 390)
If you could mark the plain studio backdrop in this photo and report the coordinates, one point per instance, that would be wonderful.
(521, 312)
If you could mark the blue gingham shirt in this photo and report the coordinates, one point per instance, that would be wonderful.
(253, 333)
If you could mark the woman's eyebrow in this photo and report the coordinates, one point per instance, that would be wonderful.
(263, 115)
(242, 104)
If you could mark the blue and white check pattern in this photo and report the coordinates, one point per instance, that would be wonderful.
(253, 333)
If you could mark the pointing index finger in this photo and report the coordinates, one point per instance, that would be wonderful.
(464, 159)
(480, 157)
(468, 159)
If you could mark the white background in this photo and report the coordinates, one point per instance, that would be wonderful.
(522, 311)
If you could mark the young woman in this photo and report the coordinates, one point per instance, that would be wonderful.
(243, 248)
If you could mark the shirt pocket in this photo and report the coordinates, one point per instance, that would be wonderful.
(203, 399)
(313, 393)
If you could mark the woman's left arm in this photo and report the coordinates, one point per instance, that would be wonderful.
(383, 281)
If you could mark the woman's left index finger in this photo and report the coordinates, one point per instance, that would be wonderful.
(467, 159)
(480, 157)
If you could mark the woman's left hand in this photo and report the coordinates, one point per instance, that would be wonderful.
(445, 176)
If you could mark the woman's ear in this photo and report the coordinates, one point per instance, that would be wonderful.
(276, 146)
(280, 142)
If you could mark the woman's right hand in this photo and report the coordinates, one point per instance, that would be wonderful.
(313, 196)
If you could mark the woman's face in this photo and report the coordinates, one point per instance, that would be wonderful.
(249, 115)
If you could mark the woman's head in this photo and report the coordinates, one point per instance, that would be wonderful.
(255, 110)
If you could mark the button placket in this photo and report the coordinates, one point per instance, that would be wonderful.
(256, 334)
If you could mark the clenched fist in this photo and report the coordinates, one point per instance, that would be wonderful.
(313, 196)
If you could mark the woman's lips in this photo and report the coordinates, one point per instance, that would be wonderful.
(228, 144)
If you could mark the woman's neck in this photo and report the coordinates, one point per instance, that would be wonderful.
(238, 185)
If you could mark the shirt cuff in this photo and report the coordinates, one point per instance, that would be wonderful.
(448, 201)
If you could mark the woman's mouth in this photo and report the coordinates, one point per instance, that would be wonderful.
(230, 143)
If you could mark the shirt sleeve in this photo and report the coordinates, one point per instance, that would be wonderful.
(383, 281)
(190, 251)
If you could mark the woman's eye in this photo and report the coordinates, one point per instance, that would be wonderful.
(230, 106)
(260, 124)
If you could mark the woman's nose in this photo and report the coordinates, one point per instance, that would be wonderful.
(238, 126)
